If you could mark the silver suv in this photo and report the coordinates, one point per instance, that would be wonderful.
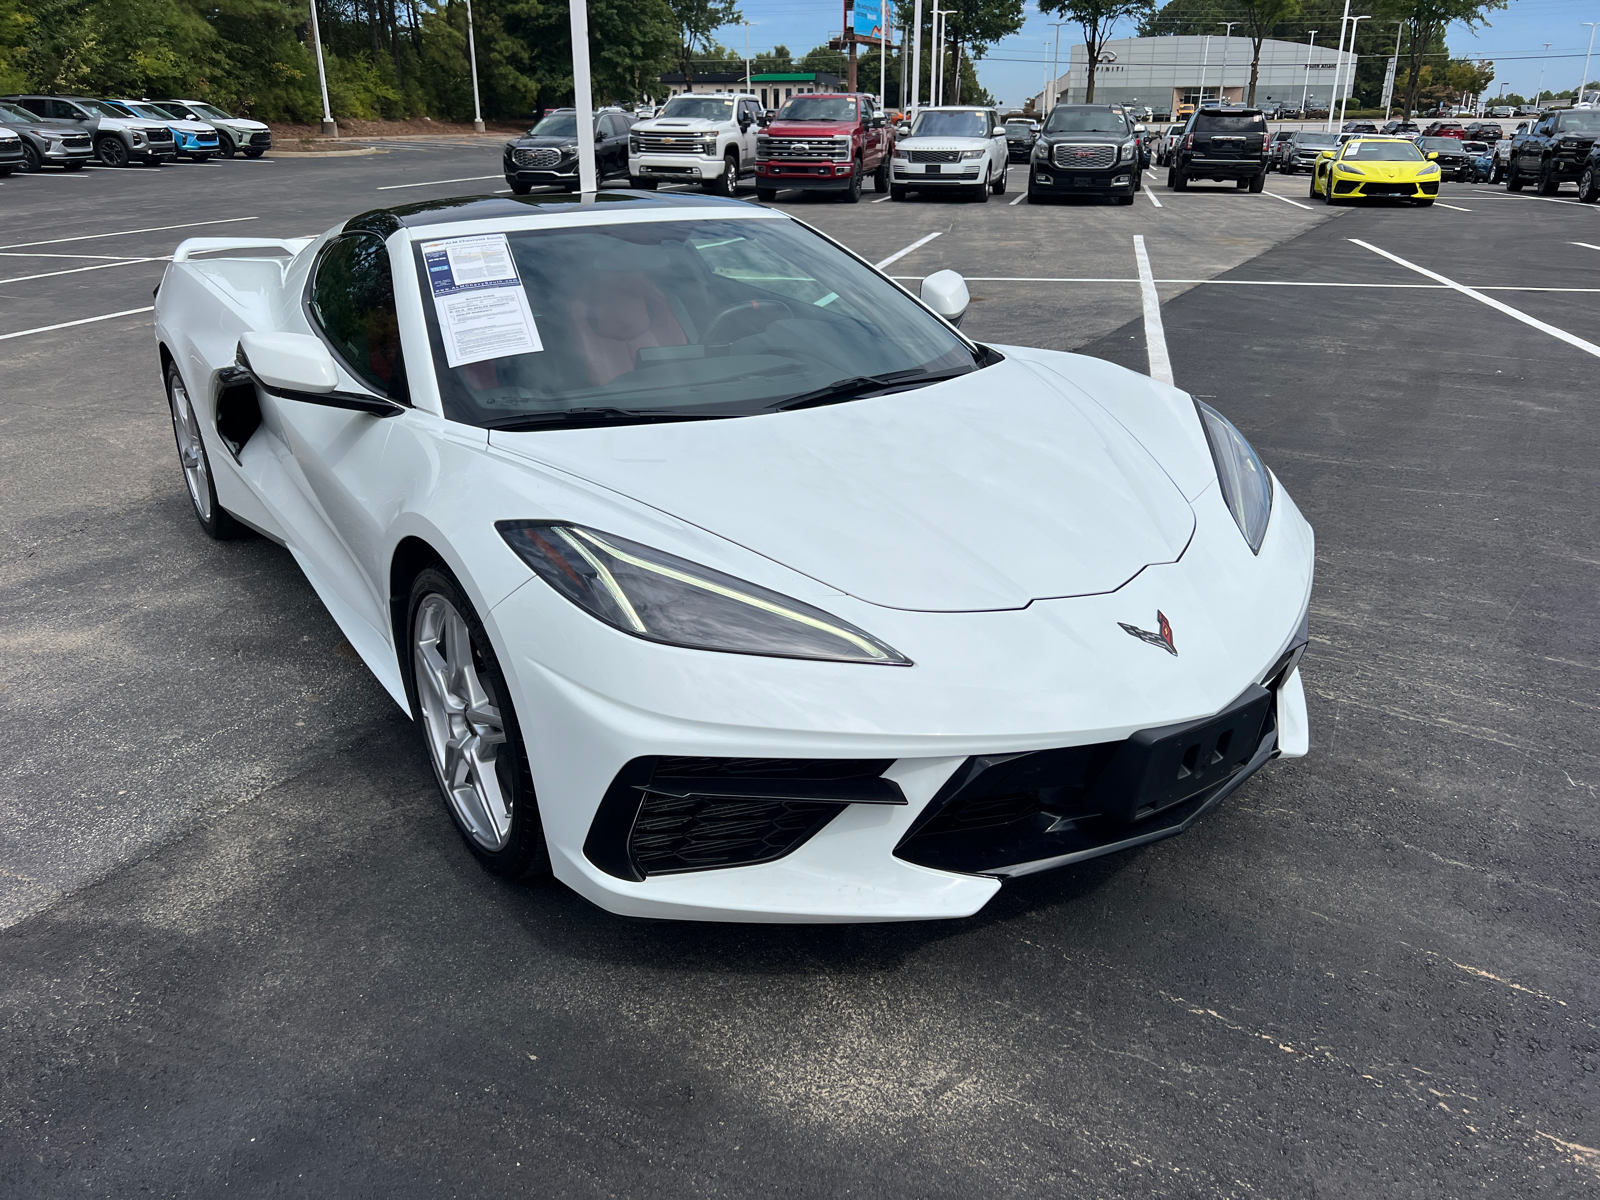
(118, 139)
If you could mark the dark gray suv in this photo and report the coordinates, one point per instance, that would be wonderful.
(45, 145)
(117, 138)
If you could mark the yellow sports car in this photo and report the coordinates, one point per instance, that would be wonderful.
(1366, 167)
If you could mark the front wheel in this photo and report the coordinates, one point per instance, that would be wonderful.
(1549, 185)
(1424, 203)
(852, 191)
(225, 146)
(112, 152)
(766, 195)
(896, 192)
(199, 158)
(519, 189)
(469, 729)
(1514, 180)
(644, 185)
(998, 187)
(1589, 185)
(880, 177)
(72, 166)
(254, 153)
(982, 194)
(31, 162)
(724, 184)
(213, 518)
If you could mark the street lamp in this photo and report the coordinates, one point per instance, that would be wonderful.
(1540, 91)
(916, 56)
(1355, 28)
(472, 54)
(582, 100)
(1222, 88)
(1338, 68)
(746, 25)
(1306, 87)
(1388, 105)
(1055, 66)
(1205, 60)
(1584, 82)
(329, 129)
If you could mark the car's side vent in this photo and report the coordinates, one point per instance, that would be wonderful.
(667, 815)
(238, 410)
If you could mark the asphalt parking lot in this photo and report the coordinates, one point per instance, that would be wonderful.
(242, 948)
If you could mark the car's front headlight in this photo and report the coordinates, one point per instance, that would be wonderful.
(1430, 169)
(973, 153)
(1246, 486)
(662, 598)
(1348, 169)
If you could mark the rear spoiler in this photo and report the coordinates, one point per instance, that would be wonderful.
(207, 245)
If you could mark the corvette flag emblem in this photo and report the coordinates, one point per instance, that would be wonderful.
(1162, 638)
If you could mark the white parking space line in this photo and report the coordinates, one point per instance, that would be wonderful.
(1287, 283)
(48, 254)
(899, 254)
(1514, 313)
(1019, 199)
(1456, 207)
(880, 199)
(1587, 245)
(390, 187)
(1155, 337)
(1152, 197)
(89, 237)
(1286, 199)
(127, 312)
(127, 262)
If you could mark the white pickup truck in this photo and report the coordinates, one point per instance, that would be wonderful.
(709, 139)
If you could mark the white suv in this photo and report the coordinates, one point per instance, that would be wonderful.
(951, 148)
(709, 139)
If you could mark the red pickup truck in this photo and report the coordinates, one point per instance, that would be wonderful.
(826, 142)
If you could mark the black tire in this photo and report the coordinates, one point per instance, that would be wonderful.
(217, 521)
(1514, 180)
(519, 189)
(1495, 174)
(998, 187)
(1424, 203)
(766, 195)
(1177, 181)
(225, 146)
(1589, 185)
(112, 152)
(728, 182)
(6, 170)
(880, 177)
(896, 192)
(73, 166)
(1243, 185)
(524, 852)
(1549, 185)
(644, 185)
(199, 158)
(982, 194)
(254, 153)
(1259, 182)
(852, 193)
(31, 162)
(1125, 200)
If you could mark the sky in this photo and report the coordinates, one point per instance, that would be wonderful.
(1017, 67)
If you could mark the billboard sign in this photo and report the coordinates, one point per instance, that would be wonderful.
(868, 19)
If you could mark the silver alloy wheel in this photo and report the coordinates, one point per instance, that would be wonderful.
(191, 451)
(463, 725)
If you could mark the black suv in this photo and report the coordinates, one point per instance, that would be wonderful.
(1086, 150)
(547, 155)
(1451, 155)
(1021, 134)
(1222, 144)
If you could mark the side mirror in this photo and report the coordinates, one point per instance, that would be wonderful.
(1432, 154)
(297, 366)
(946, 293)
(999, 131)
(1140, 129)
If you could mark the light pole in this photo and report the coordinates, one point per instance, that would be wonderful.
(1399, 29)
(1306, 87)
(746, 25)
(1584, 82)
(588, 184)
(329, 129)
(916, 55)
(472, 55)
(1204, 60)
(1055, 67)
(1227, 36)
(1540, 92)
(1355, 27)
(939, 15)
(1338, 68)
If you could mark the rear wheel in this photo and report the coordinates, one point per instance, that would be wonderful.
(112, 152)
(896, 192)
(1514, 179)
(469, 729)
(1258, 182)
(213, 518)
(1243, 185)
(880, 177)
(1177, 181)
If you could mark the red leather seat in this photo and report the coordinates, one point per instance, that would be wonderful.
(618, 315)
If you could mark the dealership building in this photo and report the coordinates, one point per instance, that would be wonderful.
(1164, 72)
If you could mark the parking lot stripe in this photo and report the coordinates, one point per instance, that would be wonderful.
(1456, 207)
(1155, 337)
(899, 254)
(1586, 245)
(1514, 313)
(880, 199)
(389, 187)
(47, 254)
(89, 237)
(127, 312)
(1285, 199)
(1152, 198)
(127, 262)
(1019, 199)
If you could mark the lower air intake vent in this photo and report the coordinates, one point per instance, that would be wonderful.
(667, 815)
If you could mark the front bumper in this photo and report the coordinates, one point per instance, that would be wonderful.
(1019, 152)
(680, 166)
(57, 152)
(11, 154)
(153, 153)
(828, 176)
(542, 178)
(919, 175)
(195, 143)
(1055, 677)
(1047, 180)
(1372, 189)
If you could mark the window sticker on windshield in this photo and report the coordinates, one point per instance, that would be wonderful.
(483, 311)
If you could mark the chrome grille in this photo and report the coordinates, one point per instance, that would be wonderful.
(676, 143)
(1095, 156)
(803, 149)
(76, 143)
(536, 158)
(938, 156)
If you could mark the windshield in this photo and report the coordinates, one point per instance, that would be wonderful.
(1315, 139)
(150, 111)
(934, 123)
(103, 108)
(698, 108)
(179, 110)
(1588, 122)
(1445, 145)
(557, 124)
(211, 111)
(685, 318)
(1085, 120)
(1384, 151)
(12, 113)
(819, 108)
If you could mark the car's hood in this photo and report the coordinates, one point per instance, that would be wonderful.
(983, 492)
(810, 129)
(528, 141)
(942, 143)
(241, 123)
(200, 127)
(1078, 136)
(1378, 169)
(681, 124)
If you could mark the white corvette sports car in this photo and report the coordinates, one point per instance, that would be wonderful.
(723, 577)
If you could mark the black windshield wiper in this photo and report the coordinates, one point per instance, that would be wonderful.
(578, 417)
(859, 386)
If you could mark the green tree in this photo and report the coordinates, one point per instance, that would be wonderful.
(696, 21)
(1261, 17)
(1424, 23)
(1098, 20)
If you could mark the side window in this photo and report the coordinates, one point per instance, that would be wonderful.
(61, 110)
(352, 302)
(35, 106)
(608, 126)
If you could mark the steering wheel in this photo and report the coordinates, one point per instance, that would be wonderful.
(745, 308)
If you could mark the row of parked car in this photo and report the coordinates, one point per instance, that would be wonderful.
(70, 132)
